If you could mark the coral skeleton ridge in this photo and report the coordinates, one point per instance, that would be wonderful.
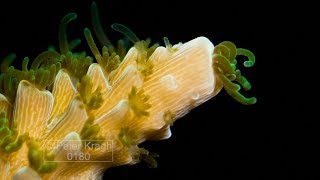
(72, 115)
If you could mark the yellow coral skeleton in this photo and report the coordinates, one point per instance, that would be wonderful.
(118, 102)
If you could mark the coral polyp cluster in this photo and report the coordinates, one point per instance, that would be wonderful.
(71, 115)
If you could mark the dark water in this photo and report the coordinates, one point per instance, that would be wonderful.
(221, 139)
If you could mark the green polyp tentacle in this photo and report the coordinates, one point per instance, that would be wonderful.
(121, 49)
(226, 50)
(243, 81)
(126, 31)
(232, 51)
(168, 117)
(92, 45)
(222, 50)
(150, 50)
(224, 64)
(63, 42)
(90, 132)
(240, 98)
(168, 45)
(7, 61)
(109, 59)
(92, 100)
(249, 55)
(42, 71)
(167, 42)
(8, 87)
(16, 145)
(148, 157)
(77, 64)
(44, 59)
(8, 83)
(138, 102)
(103, 39)
(40, 160)
(74, 43)
(9, 140)
(228, 84)
(143, 65)
(127, 136)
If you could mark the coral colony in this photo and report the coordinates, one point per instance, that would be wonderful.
(68, 107)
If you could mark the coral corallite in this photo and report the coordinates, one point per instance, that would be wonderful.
(68, 115)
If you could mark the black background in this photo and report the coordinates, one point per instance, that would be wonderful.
(221, 139)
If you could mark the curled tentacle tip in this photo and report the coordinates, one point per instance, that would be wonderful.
(247, 86)
(114, 25)
(126, 31)
(87, 31)
(248, 64)
(232, 77)
(72, 16)
(248, 101)
(252, 100)
(166, 41)
(69, 17)
(234, 66)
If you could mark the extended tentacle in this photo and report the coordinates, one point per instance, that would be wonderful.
(224, 65)
(63, 42)
(103, 39)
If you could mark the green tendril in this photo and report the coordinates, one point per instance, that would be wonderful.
(110, 62)
(125, 31)
(168, 45)
(63, 42)
(109, 59)
(6, 62)
(40, 160)
(138, 102)
(127, 136)
(92, 100)
(74, 43)
(143, 64)
(148, 157)
(242, 81)
(41, 73)
(224, 64)
(9, 86)
(77, 64)
(228, 84)
(92, 45)
(9, 141)
(240, 98)
(232, 51)
(121, 49)
(45, 59)
(169, 117)
(103, 39)
(249, 55)
(90, 132)
(151, 49)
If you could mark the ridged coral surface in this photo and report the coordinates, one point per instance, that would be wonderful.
(72, 114)
(136, 107)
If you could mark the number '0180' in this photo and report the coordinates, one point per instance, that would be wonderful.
(78, 156)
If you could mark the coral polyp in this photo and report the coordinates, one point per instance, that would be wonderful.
(70, 114)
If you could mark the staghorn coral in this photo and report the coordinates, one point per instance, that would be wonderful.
(69, 115)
